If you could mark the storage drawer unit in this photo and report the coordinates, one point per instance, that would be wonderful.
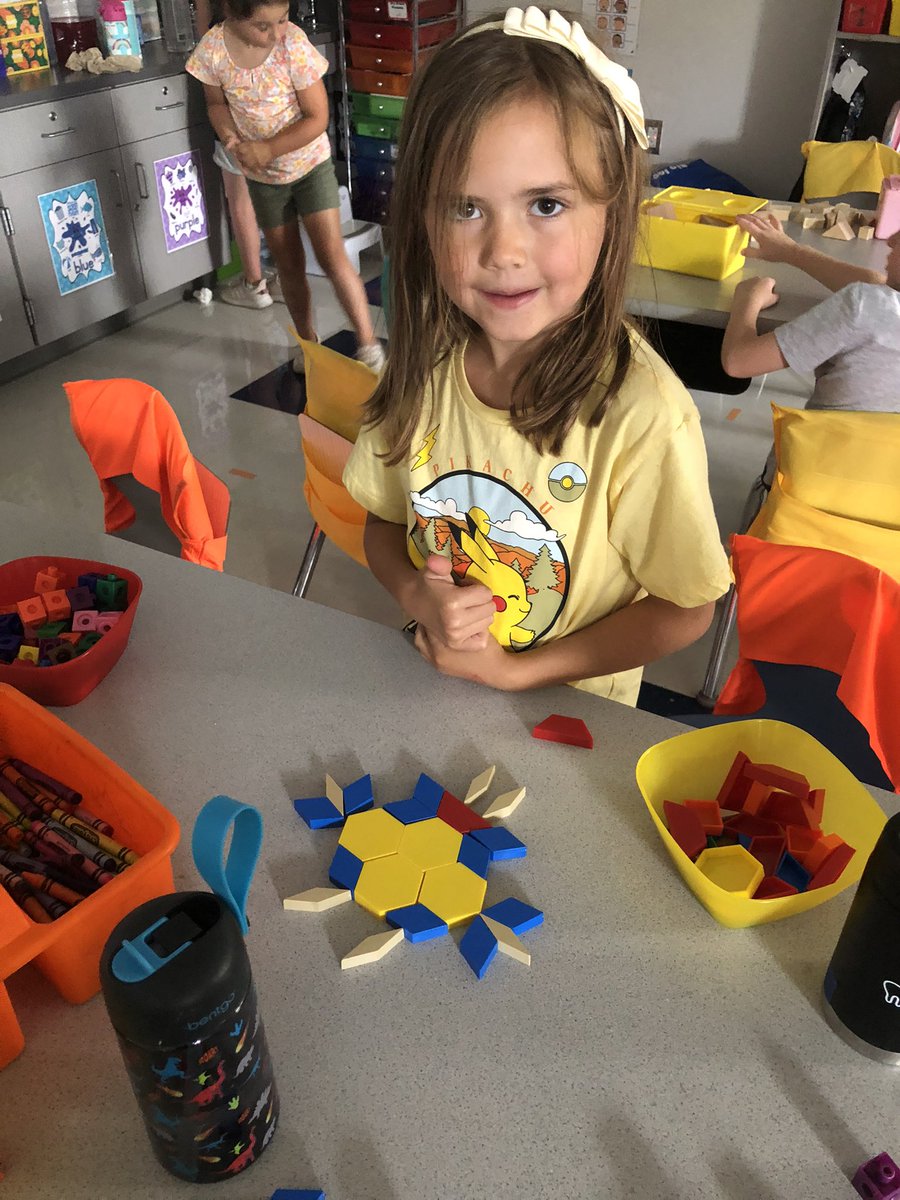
(378, 83)
(377, 106)
(145, 110)
(371, 127)
(371, 59)
(399, 13)
(400, 37)
(43, 134)
(378, 149)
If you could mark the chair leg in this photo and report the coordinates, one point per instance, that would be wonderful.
(308, 565)
(712, 682)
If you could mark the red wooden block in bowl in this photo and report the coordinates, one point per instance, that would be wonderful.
(772, 887)
(757, 795)
(752, 826)
(779, 777)
(709, 813)
(66, 683)
(832, 868)
(786, 809)
(768, 850)
(735, 787)
(685, 828)
(822, 849)
(800, 840)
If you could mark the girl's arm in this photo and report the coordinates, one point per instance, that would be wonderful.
(635, 635)
(457, 617)
(744, 351)
(220, 116)
(202, 16)
(776, 246)
(313, 103)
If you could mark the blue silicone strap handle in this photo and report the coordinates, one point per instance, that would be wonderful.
(230, 877)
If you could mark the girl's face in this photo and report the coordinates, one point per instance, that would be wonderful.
(518, 246)
(264, 27)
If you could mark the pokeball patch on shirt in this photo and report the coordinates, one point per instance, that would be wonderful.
(566, 482)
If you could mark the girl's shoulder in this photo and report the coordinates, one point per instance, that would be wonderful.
(295, 40)
(209, 52)
(652, 400)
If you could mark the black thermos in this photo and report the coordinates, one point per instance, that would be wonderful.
(179, 992)
(862, 983)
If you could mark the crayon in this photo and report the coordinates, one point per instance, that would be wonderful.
(21, 893)
(73, 881)
(103, 860)
(68, 796)
(42, 883)
(93, 837)
(22, 776)
(61, 850)
(52, 907)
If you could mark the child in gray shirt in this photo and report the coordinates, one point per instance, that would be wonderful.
(851, 340)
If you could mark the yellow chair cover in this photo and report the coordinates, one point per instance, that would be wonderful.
(836, 168)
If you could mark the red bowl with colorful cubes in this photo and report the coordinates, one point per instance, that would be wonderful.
(64, 623)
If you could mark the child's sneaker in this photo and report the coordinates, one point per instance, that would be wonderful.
(246, 295)
(372, 356)
(274, 285)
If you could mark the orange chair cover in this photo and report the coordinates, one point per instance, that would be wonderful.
(127, 427)
(334, 510)
(810, 607)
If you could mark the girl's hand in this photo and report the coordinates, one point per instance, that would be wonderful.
(253, 156)
(491, 665)
(753, 295)
(457, 616)
(774, 243)
(231, 140)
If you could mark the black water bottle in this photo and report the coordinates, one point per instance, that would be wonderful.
(179, 992)
(862, 983)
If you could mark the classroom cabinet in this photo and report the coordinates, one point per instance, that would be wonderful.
(74, 242)
(15, 332)
(177, 207)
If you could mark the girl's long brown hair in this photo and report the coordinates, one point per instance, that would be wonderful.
(468, 80)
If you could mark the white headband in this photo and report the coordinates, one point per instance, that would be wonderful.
(533, 23)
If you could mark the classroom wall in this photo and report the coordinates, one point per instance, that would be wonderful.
(734, 82)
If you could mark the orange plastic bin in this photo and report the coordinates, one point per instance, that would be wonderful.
(66, 683)
(67, 951)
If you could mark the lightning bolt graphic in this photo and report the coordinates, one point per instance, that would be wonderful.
(424, 455)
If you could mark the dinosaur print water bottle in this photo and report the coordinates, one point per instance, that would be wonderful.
(179, 992)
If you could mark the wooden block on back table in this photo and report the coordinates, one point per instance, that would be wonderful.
(780, 210)
(865, 233)
(814, 221)
(841, 231)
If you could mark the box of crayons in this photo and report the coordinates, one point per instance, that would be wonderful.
(64, 623)
(81, 845)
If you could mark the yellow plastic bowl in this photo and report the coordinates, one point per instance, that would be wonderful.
(693, 766)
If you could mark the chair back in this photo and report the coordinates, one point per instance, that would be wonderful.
(127, 428)
(336, 389)
(837, 485)
(837, 169)
(809, 607)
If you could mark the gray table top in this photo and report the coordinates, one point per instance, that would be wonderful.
(668, 295)
(646, 1052)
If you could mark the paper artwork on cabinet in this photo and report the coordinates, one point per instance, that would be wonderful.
(181, 203)
(617, 24)
(76, 236)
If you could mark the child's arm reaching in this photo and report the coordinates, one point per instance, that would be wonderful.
(776, 246)
(635, 635)
(220, 115)
(457, 618)
(313, 103)
(744, 351)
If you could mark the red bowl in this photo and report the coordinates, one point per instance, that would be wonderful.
(66, 683)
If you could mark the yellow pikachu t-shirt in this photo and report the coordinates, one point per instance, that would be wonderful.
(564, 540)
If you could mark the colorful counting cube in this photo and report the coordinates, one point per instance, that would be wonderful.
(32, 611)
(106, 621)
(57, 605)
(80, 598)
(85, 621)
(112, 593)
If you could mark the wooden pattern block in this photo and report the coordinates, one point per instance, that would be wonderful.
(767, 850)
(419, 924)
(392, 882)
(358, 796)
(507, 941)
(832, 868)
(371, 834)
(772, 888)
(453, 893)
(501, 843)
(778, 777)
(786, 810)
(733, 868)
(841, 231)
(504, 806)
(473, 855)
(372, 949)
(479, 785)
(753, 826)
(429, 793)
(708, 813)
(570, 731)
(685, 828)
(298, 1194)
(431, 843)
(478, 946)
(408, 812)
(734, 789)
(318, 812)
(345, 869)
(825, 846)
(334, 793)
(457, 816)
(793, 873)
(515, 914)
(316, 899)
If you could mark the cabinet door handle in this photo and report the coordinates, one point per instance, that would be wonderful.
(118, 179)
(141, 177)
(57, 133)
(165, 107)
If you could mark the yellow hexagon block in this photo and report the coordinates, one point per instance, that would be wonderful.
(452, 892)
(386, 883)
(430, 843)
(371, 834)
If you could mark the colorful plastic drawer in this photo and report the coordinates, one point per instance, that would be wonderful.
(67, 951)
(377, 106)
(374, 81)
(374, 148)
(371, 127)
(372, 210)
(400, 12)
(400, 37)
(403, 61)
(375, 170)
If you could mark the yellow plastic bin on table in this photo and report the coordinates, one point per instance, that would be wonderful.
(687, 245)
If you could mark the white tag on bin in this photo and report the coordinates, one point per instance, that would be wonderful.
(397, 10)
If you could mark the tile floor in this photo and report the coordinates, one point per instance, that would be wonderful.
(198, 356)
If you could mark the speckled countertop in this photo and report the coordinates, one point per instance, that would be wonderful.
(647, 1052)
